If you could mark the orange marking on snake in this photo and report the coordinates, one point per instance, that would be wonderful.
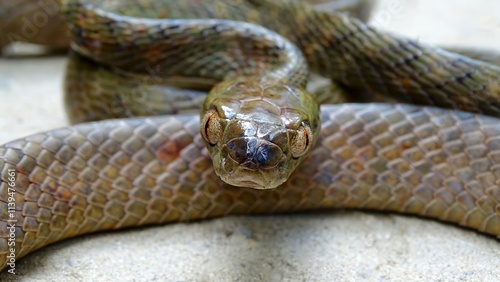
(169, 150)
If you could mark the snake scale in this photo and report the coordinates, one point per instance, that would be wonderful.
(436, 163)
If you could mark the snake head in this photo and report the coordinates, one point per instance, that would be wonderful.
(257, 134)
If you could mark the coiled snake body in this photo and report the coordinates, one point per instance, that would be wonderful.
(418, 160)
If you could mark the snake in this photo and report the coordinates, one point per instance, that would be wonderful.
(420, 160)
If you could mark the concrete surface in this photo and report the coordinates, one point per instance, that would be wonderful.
(332, 246)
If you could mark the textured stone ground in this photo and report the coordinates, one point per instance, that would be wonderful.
(333, 246)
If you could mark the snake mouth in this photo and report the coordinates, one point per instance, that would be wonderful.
(247, 179)
(253, 185)
(256, 179)
(253, 153)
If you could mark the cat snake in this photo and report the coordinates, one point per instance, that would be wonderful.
(420, 160)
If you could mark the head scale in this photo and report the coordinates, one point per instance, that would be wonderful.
(257, 134)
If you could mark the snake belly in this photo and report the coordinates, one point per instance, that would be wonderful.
(416, 160)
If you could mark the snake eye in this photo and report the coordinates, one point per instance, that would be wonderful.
(210, 127)
(302, 141)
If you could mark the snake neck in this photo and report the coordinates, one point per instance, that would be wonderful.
(172, 48)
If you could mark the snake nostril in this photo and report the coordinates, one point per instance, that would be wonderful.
(238, 150)
(228, 166)
(254, 154)
(267, 155)
(262, 155)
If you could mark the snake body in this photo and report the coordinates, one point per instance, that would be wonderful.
(425, 161)
(37, 22)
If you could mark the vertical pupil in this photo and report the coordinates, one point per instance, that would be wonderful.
(206, 127)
